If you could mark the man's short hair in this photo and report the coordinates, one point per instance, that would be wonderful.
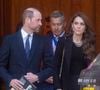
(57, 14)
(27, 13)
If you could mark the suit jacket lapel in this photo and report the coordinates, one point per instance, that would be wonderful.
(68, 51)
(33, 47)
(51, 36)
(21, 45)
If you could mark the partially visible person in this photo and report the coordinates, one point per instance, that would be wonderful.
(74, 52)
(22, 53)
(57, 27)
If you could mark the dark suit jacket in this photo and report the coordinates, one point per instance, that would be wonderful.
(13, 61)
(66, 45)
(50, 37)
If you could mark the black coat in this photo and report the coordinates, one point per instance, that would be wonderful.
(64, 44)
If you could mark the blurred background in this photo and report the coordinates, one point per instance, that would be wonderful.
(11, 10)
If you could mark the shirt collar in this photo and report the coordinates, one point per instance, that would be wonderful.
(59, 35)
(24, 33)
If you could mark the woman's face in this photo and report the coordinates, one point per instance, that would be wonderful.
(78, 26)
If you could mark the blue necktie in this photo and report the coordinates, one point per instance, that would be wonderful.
(27, 46)
(55, 40)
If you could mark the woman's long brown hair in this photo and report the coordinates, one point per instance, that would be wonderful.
(88, 36)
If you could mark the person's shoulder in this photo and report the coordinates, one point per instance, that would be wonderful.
(10, 36)
(68, 36)
(45, 38)
(9, 39)
(65, 38)
(39, 37)
(49, 35)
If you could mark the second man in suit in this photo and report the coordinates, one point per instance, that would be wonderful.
(57, 27)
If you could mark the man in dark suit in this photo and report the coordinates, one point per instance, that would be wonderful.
(57, 26)
(22, 53)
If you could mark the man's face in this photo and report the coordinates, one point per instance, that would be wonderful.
(57, 25)
(35, 22)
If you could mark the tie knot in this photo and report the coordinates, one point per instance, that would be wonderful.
(28, 35)
(55, 40)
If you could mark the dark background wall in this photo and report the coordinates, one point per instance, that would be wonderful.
(11, 10)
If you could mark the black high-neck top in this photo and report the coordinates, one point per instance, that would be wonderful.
(77, 60)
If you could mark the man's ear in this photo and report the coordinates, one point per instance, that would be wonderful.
(28, 20)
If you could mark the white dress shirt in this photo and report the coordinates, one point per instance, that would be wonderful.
(24, 37)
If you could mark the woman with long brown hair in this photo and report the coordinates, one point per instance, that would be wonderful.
(74, 52)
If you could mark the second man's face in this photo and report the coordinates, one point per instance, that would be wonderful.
(57, 25)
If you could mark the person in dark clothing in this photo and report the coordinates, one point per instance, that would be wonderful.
(21, 54)
(57, 30)
(74, 52)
